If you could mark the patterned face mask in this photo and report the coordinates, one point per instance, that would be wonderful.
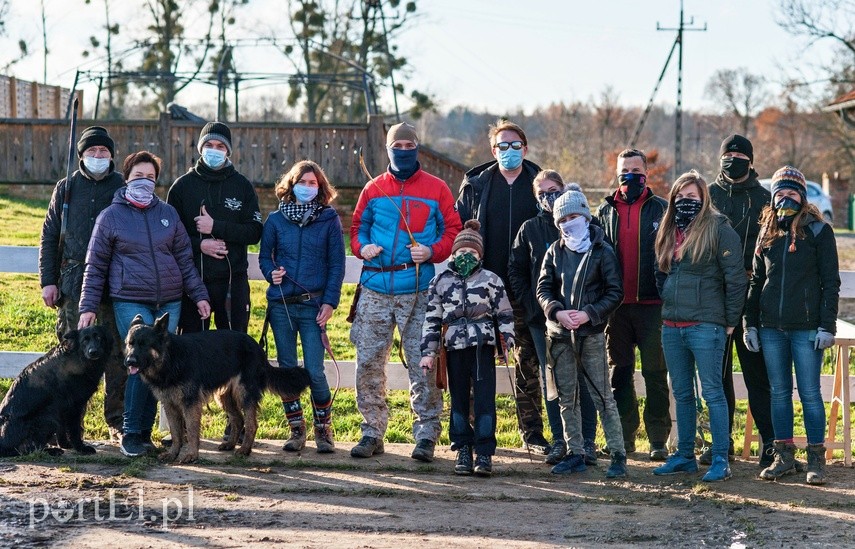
(686, 209)
(465, 263)
(787, 208)
(547, 200)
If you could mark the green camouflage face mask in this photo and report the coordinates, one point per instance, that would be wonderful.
(465, 264)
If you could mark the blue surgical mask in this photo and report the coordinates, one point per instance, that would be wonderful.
(213, 158)
(96, 166)
(304, 193)
(510, 159)
(403, 163)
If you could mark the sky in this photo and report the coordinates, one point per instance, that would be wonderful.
(493, 55)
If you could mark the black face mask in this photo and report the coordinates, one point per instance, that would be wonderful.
(686, 211)
(735, 168)
(631, 186)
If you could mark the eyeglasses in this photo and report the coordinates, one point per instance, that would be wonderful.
(515, 145)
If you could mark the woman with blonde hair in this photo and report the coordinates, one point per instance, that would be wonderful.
(302, 257)
(792, 313)
(702, 283)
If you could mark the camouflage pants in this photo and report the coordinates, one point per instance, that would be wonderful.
(529, 394)
(115, 374)
(377, 315)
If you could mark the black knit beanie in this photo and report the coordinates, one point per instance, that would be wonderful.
(217, 131)
(737, 143)
(95, 136)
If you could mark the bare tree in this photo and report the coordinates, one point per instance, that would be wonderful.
(117, 89)
(738, 92)
(22, 44)
(820, 19)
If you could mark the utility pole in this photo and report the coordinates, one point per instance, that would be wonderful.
(678, 115)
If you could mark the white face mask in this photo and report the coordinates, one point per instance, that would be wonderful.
(575, 234)
(213, 158)
(96, 166)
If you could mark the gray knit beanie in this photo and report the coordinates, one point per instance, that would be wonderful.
(571, 202)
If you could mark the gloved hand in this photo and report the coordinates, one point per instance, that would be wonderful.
(824, 339)
(751, 339)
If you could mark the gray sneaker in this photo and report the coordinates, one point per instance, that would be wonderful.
(367, 447)
(658, 453)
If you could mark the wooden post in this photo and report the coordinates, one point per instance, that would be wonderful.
(168, 172)
(13, 97)
(34, 98)
(57, 102)
(375, 144)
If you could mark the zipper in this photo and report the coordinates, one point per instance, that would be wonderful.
(153, 262)
(510, 217)
(783, 278)
(299, 255)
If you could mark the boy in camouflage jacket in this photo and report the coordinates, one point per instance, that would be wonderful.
(472, 305)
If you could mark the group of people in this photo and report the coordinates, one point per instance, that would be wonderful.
(532, 271)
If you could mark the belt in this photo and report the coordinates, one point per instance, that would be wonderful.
(302, 298)
(401, 267)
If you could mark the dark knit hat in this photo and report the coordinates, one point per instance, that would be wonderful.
(95, 136)
(469, 237)
(737, 143)
(571, 202)
(789, 178)
(402, 131)
(217, 131)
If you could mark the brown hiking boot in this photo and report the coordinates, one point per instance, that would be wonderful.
(324, 438)
(367, 447)
(785, 462)
(815, 464)
(297, 440)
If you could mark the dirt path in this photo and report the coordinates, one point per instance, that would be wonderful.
(392, 501)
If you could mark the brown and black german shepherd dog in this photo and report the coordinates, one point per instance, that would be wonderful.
(184, 371)
(49, 396)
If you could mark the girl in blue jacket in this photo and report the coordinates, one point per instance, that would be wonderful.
(302, 257)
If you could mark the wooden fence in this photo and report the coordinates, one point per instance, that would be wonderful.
(23, 99)
(34, 151)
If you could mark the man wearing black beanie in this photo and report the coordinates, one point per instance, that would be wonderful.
(219, 209)
(737, 194)
(90, 190)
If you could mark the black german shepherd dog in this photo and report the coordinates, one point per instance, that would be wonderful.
(49, 396)
(184, 371)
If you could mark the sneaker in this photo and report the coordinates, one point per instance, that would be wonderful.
(463, 466)
(483, 466)
(572, 463)
(423, 450)
(658, 453)
(618, 467)
(706, 456)
(718, 471)
(537, 443)
(767, 455)
(677, 464)
(166, 441)
(590, 452)
(146, 441)
(367, 447)
(133, 445)
(556, 453)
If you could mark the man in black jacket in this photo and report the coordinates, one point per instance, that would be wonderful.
(219, 209)
(89, 191)
(737, 194)
(498, 194)
(630, 219)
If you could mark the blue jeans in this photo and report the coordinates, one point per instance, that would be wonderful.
(302, 320)
(140, 404)
(701, 345)
(781, 350)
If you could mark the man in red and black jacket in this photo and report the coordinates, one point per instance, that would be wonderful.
(630, 219)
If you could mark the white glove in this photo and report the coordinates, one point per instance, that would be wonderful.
(751, 339)
(824, 339)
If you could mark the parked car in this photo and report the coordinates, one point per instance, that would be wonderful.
(815, 195)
